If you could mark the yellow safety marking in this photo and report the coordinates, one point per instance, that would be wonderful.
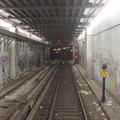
(104, 72)
(24, 101)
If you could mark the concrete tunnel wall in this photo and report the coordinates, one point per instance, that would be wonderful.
(102, 45)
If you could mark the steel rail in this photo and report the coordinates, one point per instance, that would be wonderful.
(20, 102)
(32, 100)
(39, 100)
(85, 80)
(24, 98)
(23, 81)
(92, 91)
(55, 96)
(80, 98)
(55, 102)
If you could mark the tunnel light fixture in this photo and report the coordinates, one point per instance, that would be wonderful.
(79, 29)
(92, 1)
(4, 14)
(91, 11)
(26, 27)
(97, 1)
(79, 25)
(54, 49)
(5, 24)
(15, 21)
(86, 11)
(59, 49)
(31, 30)
(82, 20)
(66, 48)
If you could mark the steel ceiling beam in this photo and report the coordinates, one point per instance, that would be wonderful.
(24, 18)
(41, 32)
(54, 31)
(67, 28)
(49, 17)
(90, 5)
(46, 24)
(49, 28)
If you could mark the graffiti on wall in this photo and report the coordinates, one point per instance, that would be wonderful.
(4, 67)
(22, 62)
(26, 62)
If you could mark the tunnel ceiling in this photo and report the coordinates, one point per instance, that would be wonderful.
(53, 19)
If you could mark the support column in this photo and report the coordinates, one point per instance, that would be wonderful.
(13, 53)
(41, 56)
(48, 53)
(44, 55)
(89, 52)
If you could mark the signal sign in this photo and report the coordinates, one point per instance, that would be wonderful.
(58, 42)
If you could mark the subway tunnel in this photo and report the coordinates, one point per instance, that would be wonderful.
(59, 60)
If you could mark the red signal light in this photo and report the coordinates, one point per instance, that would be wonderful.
(58, 42)
(76, 57)
(76, 50)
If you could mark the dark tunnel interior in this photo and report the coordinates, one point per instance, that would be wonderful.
(61, 52)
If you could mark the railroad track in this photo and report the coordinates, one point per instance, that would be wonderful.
(62, 101)
(23, 81)
(17, 104)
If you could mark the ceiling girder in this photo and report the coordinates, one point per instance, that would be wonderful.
(52, 7)
(40, 18)
(55, 24)
(53, 19)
